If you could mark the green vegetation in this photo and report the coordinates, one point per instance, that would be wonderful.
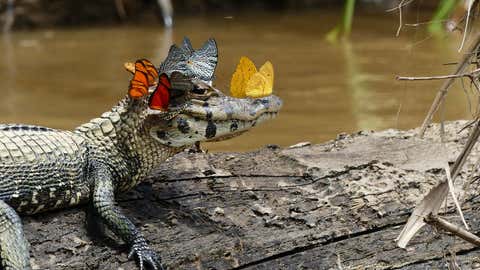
(344, 28)
(441, 14)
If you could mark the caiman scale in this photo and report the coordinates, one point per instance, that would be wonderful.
(42, 169)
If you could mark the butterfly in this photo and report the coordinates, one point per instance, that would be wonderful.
(248, 82)
(199, 64)
(144, 76)
(160, 98)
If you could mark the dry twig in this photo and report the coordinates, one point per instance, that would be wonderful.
(451, 188)
(441, 223)
(469, 9)
(401, 5)
(470, 75)
(400, 17)
(431, 203)
(442, 93)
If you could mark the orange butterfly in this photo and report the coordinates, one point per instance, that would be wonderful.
(145, 75)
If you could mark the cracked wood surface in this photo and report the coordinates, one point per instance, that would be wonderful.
(337, 205)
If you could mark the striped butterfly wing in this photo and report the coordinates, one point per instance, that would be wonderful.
(139, 83)
(145, 75)
(152, 72)
(202, 63)
(187, 46)
(175, 61)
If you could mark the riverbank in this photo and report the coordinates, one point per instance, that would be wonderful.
(46, 14)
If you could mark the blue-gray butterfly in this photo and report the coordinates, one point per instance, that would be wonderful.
(199, 64)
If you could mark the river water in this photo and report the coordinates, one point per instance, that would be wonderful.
(62, 78)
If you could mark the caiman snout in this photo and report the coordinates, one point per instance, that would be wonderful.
(230, 108)
(218, 118)
(257, 107)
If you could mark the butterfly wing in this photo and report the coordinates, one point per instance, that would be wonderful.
(130, 67)
(244, 71)
(160, 98)
(187, 46)
(175, 61)
(151, 70)
(261, 83)
(267, 71)
(256, 86)
(137, 89)
(180, 82)
(139, 83)
(198, 64)
(202, 63)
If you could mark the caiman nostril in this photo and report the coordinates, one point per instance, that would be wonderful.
(233, 126)
(183, 126)
(211, 130)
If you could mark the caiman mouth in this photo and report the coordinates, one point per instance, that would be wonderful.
(218, 118)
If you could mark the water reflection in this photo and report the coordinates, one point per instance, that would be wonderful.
(9, 16)
(62, 78)
(165, 40)
(11, 72)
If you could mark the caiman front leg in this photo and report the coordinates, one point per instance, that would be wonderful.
(13, 245)
(119, 224)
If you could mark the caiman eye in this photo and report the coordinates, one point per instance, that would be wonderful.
(199, 91)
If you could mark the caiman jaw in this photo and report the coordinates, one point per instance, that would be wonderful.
(218, 118)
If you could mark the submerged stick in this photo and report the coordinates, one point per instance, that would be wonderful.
(167, 12)
(120, 6)
(442, 93)
(9, 16)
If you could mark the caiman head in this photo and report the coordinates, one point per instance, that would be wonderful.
(169, 109)
(183, 108)
(209, 115)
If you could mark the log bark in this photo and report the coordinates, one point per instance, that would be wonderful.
(337, 205)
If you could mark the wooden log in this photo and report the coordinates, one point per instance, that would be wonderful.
(337, 205)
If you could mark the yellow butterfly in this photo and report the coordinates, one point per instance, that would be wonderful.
(247, 82)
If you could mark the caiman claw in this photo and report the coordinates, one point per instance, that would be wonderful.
(145, 254)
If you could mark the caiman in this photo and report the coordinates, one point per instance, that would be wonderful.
(42, 169)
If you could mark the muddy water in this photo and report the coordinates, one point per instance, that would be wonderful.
(61, 78)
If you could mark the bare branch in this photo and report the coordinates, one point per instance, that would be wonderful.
(401, 5)
(451, 188)
(423, 23)
(400, 23)
(442, 93)
(440, 223)
(431, 203)
(442, 77)
(470, 5)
